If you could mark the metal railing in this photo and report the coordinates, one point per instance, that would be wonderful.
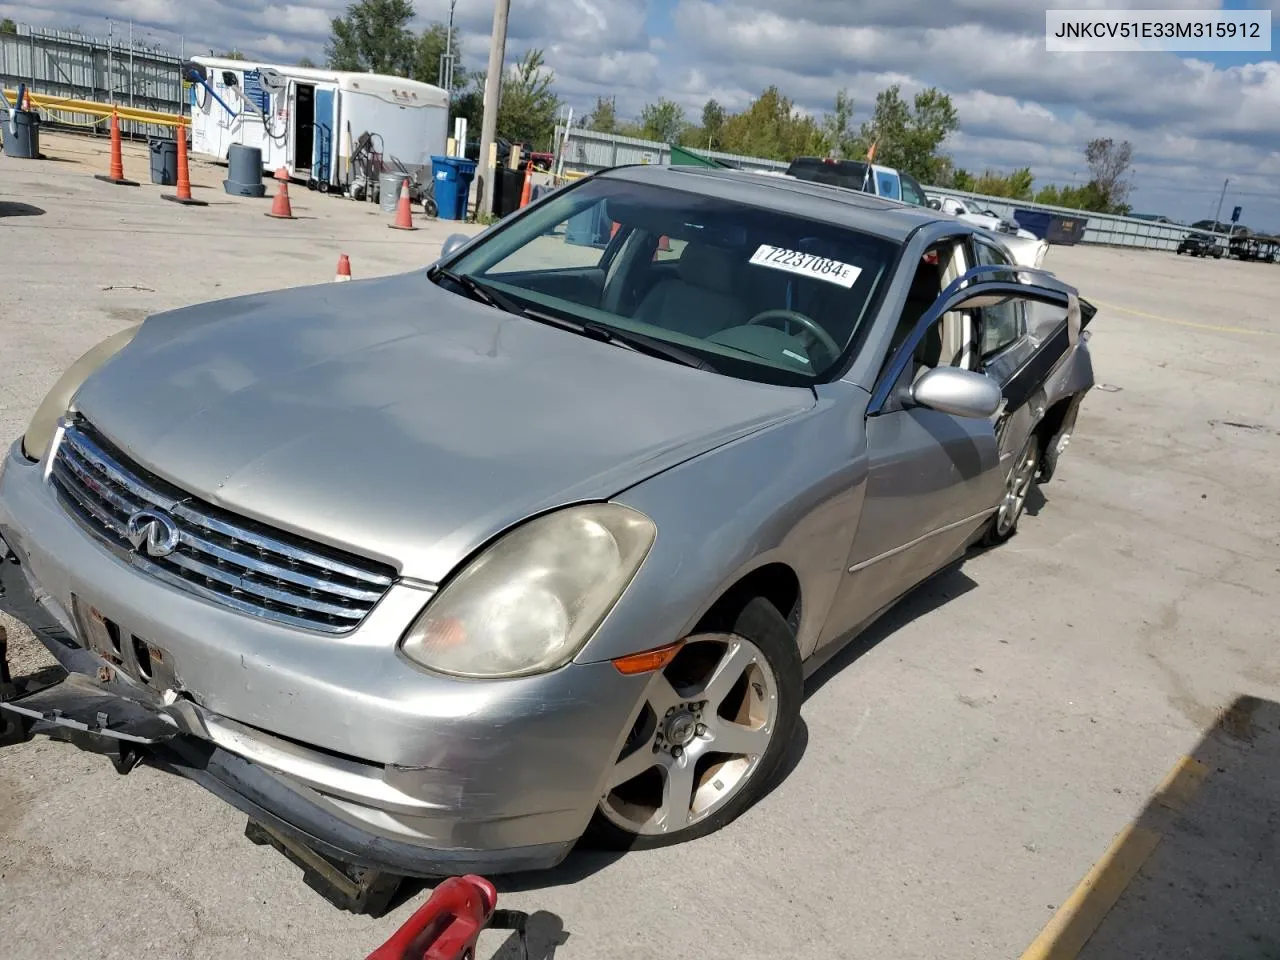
(62, 66)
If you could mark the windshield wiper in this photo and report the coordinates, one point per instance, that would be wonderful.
(477, 290)
(638, 342)
(651, 346)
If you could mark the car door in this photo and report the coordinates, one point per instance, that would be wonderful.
(1021, 343)
(933, 478)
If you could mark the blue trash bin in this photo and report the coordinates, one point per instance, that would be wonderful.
(452, 178)
(588, 228)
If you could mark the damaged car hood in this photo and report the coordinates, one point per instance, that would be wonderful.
(400, 421)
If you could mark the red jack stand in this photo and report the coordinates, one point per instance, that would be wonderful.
(447, 926)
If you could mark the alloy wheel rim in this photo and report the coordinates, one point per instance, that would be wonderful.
(1016, 490)
(706, 723)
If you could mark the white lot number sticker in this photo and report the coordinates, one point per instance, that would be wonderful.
(806, 265)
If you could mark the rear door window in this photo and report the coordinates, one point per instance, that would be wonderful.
(888, 185)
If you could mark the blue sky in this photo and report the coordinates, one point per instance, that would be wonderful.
(1193, 119)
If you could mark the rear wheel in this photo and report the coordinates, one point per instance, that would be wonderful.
(1005, 522)
(713, 729)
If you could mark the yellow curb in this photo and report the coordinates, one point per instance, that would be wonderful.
(1083, 912)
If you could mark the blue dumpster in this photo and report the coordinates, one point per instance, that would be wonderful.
(452, 178)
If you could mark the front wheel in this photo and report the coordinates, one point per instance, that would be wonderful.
(1005, 522)
(711, 733)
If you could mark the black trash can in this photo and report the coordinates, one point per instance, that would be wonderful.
(507, 187)
(164, 161)
(22, 137)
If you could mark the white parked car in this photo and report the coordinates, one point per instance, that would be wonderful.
(1026, 246)
(983, 218)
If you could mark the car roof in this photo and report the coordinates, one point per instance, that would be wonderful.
(879, 216)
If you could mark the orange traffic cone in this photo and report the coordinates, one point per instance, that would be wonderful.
(526, 192)
(117, 157)
(404, 210)
(281, 208)
(183, 195)
(344, 269)
(26, 100)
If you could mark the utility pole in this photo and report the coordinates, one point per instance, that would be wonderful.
(492, 97)
(1217, 216)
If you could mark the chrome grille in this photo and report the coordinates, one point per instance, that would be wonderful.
(220, 557)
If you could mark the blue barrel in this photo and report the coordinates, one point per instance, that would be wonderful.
(452, 177)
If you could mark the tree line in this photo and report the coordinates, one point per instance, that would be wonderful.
(1107, 191)
(909, 134)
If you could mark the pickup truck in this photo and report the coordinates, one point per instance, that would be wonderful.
(852, 174)
(901, 186)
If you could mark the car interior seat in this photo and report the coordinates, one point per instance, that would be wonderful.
(926, 285)
(701, 300)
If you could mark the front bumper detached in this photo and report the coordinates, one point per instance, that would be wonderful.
(91, 712)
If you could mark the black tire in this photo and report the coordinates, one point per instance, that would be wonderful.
(761, 623)
(993, 536)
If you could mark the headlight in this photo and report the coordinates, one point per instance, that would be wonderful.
(531, 601)
(35, 442)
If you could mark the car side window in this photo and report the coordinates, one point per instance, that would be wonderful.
(888, 184)
(1002, 324)
(911, 192)
(927, 283)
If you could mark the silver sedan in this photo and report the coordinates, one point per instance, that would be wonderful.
(441, 572)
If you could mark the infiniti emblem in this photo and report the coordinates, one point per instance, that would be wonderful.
(154, 529)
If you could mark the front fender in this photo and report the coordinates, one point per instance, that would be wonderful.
(790, 494)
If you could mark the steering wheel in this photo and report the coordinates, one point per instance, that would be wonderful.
(808, 323)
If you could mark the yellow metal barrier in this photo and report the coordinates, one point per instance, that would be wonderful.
(98, 109)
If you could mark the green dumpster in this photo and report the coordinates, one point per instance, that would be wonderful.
(680, 157)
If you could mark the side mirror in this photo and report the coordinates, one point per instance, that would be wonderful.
(961, 393)
(452, 243)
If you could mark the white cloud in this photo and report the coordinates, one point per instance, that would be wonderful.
(1192, 124)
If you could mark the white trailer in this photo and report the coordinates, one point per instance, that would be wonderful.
(308, 120)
